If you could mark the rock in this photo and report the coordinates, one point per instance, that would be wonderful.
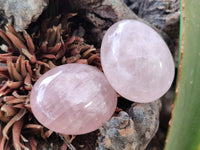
(3, 19)
(164, 15)
(118, 134)
(102, 14)
(160, 13)
(22, 12)
(146, 121)
(73, 99)
(133, 131)
(137, 61)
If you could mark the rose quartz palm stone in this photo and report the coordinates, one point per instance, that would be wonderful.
(136, 61)
(73, 99)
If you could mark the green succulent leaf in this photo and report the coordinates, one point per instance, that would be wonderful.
(184, 133)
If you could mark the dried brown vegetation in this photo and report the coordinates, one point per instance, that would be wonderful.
(24, 59)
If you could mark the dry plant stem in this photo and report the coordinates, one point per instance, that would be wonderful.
(12, 30)
(3, 117)
(14, 85)
(21, 106)
(64, 146)
(3, 140)
(13, 72)
(34, 126)
(5, 92)
(56, 48)
(24, 65)
(33, 143)
(24, 147)
(16, 131)
(70, 146)
(8, 98)
(31, 57)
(17, 117)
(17, 65)
(28, 67)
(16, 41)
(3, 36)
(4, 72)
(48, 133)
(15, 101)
(15, 94)
(29, 42)
(8, 110)
(23, 138)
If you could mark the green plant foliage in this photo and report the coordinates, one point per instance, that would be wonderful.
(184, 133)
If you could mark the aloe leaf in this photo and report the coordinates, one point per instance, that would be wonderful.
(184, 133)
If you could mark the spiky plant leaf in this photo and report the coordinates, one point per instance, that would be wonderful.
(184, 133)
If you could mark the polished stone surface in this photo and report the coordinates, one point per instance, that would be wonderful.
(73, 99)
(136, 61)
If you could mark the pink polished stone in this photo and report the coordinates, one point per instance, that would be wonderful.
(73, 99)
(136, 61)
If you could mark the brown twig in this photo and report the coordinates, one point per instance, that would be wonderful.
(70, 146)
(17, 117)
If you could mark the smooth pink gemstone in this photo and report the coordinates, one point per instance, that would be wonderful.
(73, 99)
(136, 61)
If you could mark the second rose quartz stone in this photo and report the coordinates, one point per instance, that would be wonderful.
(136, 61)
(73, 99)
